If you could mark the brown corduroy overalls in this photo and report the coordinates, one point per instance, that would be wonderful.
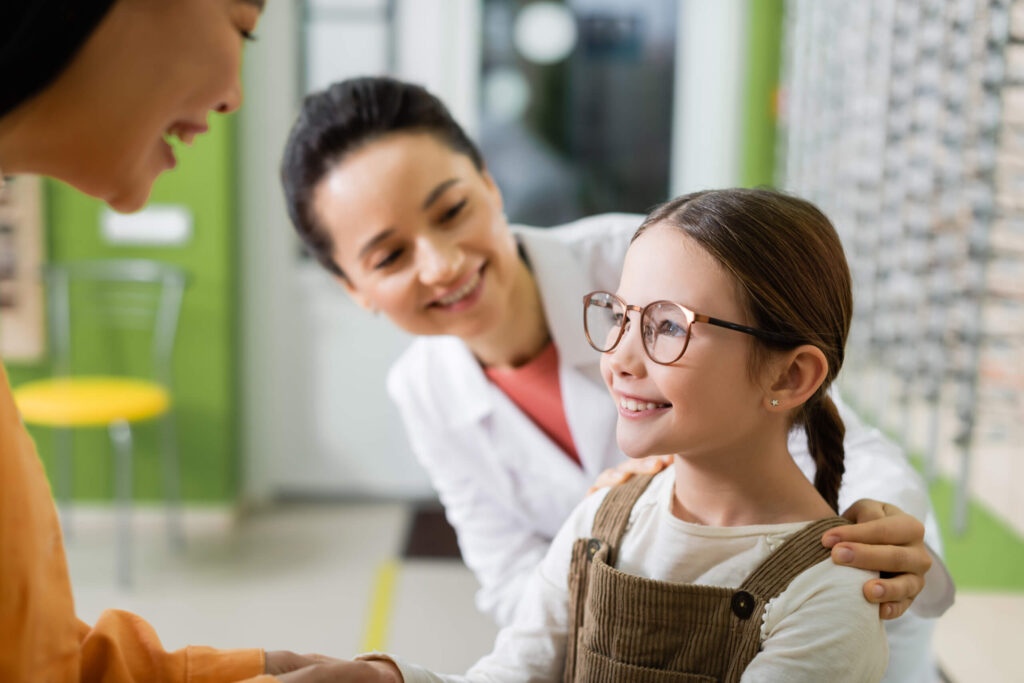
(625, 628)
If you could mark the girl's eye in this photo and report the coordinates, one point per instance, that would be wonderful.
(453, 212)
(667, 327)
(388, 260)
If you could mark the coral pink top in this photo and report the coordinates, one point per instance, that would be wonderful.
(535, 389)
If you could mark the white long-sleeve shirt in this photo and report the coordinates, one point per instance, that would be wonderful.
(819, 629)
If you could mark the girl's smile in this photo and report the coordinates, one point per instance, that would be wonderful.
(635, 407)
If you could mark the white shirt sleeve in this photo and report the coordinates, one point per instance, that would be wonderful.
(821, 629)
(531, 649)
(495, 542)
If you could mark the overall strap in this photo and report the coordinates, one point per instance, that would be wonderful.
(798, 553)
(613, 515)
(609, 526)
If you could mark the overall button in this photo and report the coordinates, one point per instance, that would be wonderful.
(742, 604)
(593, 545)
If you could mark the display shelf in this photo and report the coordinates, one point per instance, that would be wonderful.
(905, 123)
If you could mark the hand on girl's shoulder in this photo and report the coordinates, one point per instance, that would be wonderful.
(622, 472)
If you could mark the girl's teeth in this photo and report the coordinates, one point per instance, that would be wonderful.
(636, 406)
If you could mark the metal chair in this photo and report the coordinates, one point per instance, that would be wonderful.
(111, 310)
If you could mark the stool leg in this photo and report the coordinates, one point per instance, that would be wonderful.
(65, 476)
(172, 480)
(121, 437)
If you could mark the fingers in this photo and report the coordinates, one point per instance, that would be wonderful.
(893, 610)
(867, 510)
(351, 672)
(609, 477)
(902, 570)
(894, 589)
(897, 529)
(283, 661)
(890, 559)
(308, 674)
(650, 465)
(625, 470)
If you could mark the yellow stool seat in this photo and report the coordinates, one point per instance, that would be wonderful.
(90, 401)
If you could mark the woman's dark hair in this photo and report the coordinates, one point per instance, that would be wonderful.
(38, 40)
(340, 120)
(789, 265)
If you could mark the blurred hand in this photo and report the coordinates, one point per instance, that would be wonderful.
(338, 671)
(282, 661)
(887, 540)
(620, 473)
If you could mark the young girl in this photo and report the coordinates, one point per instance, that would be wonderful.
(500, 395)
(727, 329)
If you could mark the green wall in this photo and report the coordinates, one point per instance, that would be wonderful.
(205, 354)
(760, 92)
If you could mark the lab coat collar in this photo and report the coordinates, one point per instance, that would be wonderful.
(453, 365)
(562, 281)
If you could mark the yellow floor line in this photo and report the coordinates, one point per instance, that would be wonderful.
(379, 621)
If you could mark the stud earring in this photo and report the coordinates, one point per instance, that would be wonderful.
(775, 402)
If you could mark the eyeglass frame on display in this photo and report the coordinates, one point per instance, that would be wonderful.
(691, 317)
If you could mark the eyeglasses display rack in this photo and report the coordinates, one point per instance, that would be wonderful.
(904, 121)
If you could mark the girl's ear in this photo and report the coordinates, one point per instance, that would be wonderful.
(796, 376)
(356, 295)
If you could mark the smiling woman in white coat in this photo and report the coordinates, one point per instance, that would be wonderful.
(501, 394)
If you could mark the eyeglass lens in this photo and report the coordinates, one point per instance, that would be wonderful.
(664, 326)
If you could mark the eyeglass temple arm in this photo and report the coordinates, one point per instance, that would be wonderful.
(763, 334)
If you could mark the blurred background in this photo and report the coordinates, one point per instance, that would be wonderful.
(302, 502)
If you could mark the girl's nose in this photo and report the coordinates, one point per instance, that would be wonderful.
(627, 358)
(440, 261)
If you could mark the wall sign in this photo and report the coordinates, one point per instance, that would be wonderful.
(22, 330)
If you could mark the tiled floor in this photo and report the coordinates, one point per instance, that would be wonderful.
(299, 578)
(980, 638)
(307, 578)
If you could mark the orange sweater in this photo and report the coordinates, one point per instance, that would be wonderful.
(41, 640)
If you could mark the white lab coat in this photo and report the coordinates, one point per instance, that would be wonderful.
(507, 488)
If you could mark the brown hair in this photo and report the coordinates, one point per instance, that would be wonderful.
(788, 263)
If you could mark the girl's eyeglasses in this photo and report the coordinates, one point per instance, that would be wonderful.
(665, 326)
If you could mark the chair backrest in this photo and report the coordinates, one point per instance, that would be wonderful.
(104, 299)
